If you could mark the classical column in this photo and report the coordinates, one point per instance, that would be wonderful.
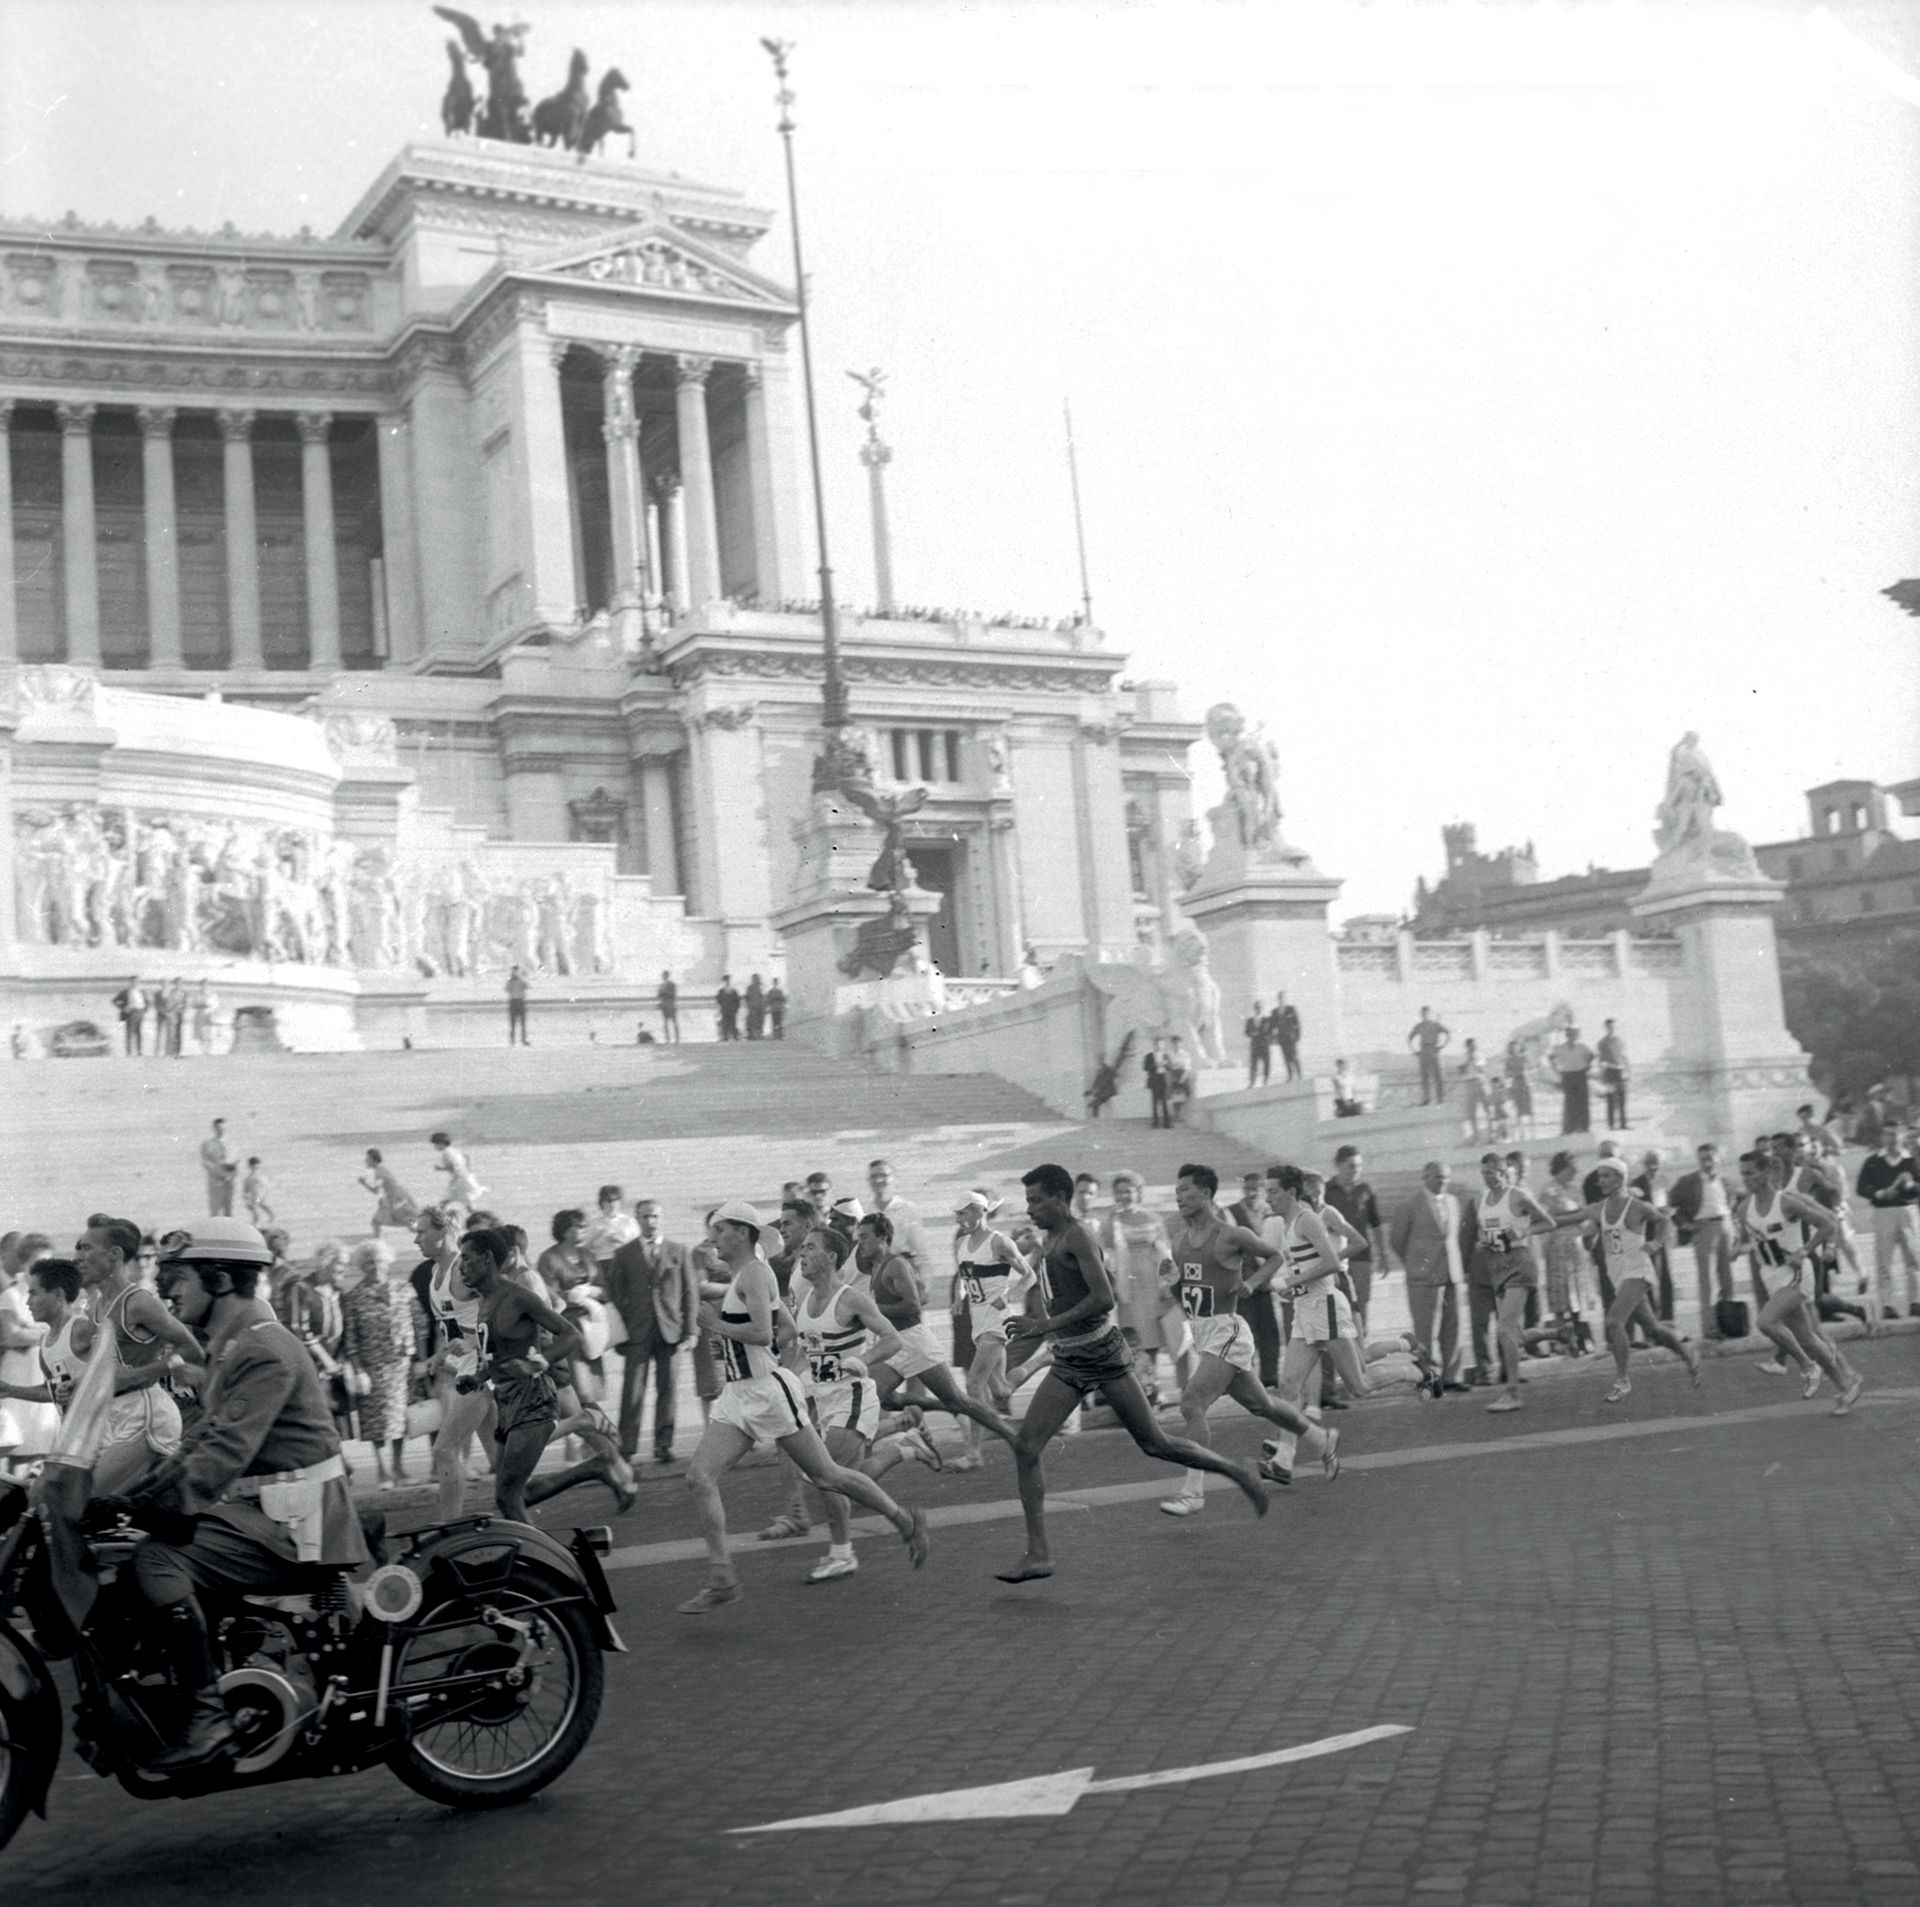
(76, 522)
(621, 429)
(243, 544)
(673, 532)
(656, 574)
(9, 634)
(766, 538)
(162, 536)
(656, 801)
(876, 456)
(323, 569)
(696, 477)
(399, 557)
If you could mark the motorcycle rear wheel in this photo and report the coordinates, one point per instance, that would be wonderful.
(509, 1743)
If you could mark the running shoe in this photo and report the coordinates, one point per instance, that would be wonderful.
(1501, 1405)
(714, 1595)
(1811, 1389)
(967, 1460)
(1622, 1387)
(1184, 1505)
(1330, 1455)
(916, 1540)
(831, 1568)
(1850, 1395)
(1775, 1366)
(784, 1526)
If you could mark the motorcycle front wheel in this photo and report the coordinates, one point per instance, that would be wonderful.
(15, 1751)
(527, 1694)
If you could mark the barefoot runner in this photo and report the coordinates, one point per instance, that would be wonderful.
(762, 1402)
(1089, 1354)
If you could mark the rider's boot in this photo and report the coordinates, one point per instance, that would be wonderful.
(209, 1729)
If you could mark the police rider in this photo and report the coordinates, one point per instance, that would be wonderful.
(257, 1491)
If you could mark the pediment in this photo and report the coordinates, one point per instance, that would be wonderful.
(659, 257)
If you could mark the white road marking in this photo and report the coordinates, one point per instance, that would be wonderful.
(1005, 1509)
(1057, 1794)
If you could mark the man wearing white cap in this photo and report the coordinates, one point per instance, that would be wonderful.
(993, 1280)
(763, 1402)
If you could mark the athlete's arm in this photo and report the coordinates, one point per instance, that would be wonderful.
(1656, 1228)
(886, 1340)
(145, 1309)
(1342, 1230)
(567, 1341)
(1326, 1260)
(759, 1294)
(1815, 1217)
(1542, 1220)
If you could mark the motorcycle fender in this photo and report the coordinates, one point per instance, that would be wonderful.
(26, 1679)
(537, 1546)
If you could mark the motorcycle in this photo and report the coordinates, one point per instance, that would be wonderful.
(470, 1663)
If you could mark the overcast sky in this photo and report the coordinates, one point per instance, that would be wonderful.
(1479, 394)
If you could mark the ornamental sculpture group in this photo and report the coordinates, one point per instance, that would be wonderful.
(574, 117)
(87, 876)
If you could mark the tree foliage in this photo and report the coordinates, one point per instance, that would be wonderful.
(1856, 1012)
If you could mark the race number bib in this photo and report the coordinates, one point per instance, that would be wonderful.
(1196, 1298)
(826, 1366)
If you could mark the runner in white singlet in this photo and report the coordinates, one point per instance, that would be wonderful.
(52, 1302)
(1625, 1225)
(1506, 1219)
(466, 1404)
(143, 1421)
(1778, 1227)
(994, 1279)
(1217, 1266)
(761, 1401)
(839, 1332)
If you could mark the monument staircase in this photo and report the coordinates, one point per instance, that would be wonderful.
(544, 1126)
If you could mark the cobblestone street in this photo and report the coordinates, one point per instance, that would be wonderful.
(1664, 1653)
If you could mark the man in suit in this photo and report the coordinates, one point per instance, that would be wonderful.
(652, 1285)
(1259, 1032)
(1425, 1236)
(1154, 1065)
(1286, 1033)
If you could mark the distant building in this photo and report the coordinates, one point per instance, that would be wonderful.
(1851, 879)
(1854, 877)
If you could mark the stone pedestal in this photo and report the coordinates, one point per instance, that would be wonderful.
(1265, 918)
(818, 928)
(1737, 1068)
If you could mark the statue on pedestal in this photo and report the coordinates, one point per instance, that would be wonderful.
(1691, 847)
(1252, 768)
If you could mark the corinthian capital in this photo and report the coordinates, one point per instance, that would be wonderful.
(235, 426)
(691, 370)
(314, 426)
(156, 420)
(75, 419)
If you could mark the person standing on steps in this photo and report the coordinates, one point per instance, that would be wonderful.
(727, 1005)
(756, 1005)
(1612, 1055)
(1259, 1032)
(1572, 1062)
(1286, 1033)
(669, 997)
(131, 1005)
(221, 1164)
(517, 1008)
(777, 1011)
(1427, 1042)
(1159, 1084)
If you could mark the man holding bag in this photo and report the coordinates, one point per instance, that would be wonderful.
(652, 1286)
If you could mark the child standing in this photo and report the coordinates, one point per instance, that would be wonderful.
(253, 1194)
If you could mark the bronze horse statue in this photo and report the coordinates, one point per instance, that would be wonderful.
(604, 116)
(506, 111)
(561, 119)
(456, 105)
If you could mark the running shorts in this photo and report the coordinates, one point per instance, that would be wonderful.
(1228, 1337)
(148, 1415)
(988, 1320)
(1498, 1271)
(520, 1402)
(763, 1408)
(917, 1351)
(1323, 1320)
(853, 1404)
(1091, 1362)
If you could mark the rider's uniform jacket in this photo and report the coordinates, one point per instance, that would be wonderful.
(248, 1462)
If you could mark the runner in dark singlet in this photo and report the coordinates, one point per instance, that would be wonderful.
(1089, 1354)
(510, 1322)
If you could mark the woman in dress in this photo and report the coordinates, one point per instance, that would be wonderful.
(1519, 1090)
(395, 1204)
(1135, 1241)
(462, 1187)
(380, 1341)
(1569, 1264)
